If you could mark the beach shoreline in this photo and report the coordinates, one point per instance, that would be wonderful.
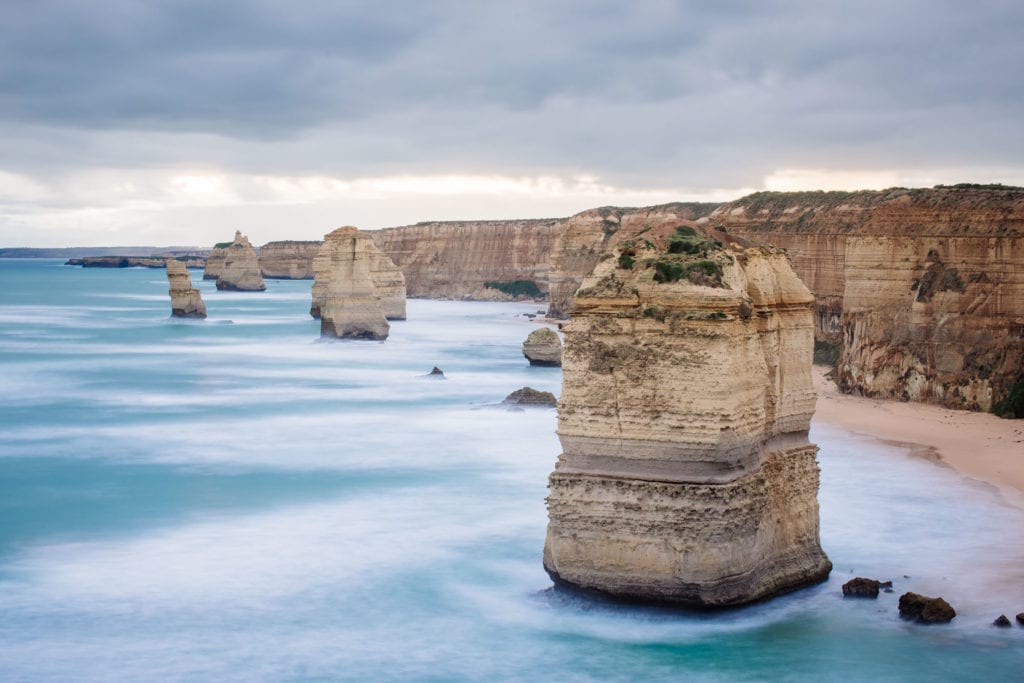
(980, 446)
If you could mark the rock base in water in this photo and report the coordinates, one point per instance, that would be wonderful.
(863, 588)
(186, 301)
(925, 610)
(1002, 621)
(528, 396)
(543, 348)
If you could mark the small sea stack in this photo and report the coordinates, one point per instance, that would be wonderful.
(925, 610)
(349, 305)
(528, 396)
(241, 269)
(186, 301)
(543, 348)
(387, 278)
(687, 476)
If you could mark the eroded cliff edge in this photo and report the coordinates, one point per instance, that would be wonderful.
(921, 289)
(687, 476)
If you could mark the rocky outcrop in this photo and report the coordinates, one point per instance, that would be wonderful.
(288, 260)
(134, 261)
(186, 301)
(215, 261)
(388, 281)
(864, 588)
(687, 475)
(581, 240)
(241, 269)
(923, 289)
(349, 305)
(528, 396)
(543, 347)
(458, 259)
(925, 610)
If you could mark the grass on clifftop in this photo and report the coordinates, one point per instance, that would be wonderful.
(689, 256)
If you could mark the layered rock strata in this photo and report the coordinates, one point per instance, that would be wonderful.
(288, 260)
(215, 261)
(388, 281)
(543, 347)
(458, 259)
(687, 476)
(350, 307)
(186, 301)
(923, 289)
(241, 269)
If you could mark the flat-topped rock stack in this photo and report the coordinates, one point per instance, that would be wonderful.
(388, 280)
(344, 291)
(687, 475)
(241, 269)
(186, 301)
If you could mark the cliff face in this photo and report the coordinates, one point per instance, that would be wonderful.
(923, 289)
(186, 301)
(455, 260)
(348, 301)
(581, 240)
(388, 281)
(289, 260)
(241, 267)
(215, 261)
(687, 475)
(134, 261)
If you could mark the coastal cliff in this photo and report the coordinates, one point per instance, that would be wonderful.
(457, 259)
(134, 261)
(687, 476)
(289, 259)
(922, 290)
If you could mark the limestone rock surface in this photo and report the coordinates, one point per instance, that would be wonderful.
(215, 261)
(288, 260)
(349, 305)
(543, 347)
(241, 269)
(186, 301)
(388, 280)
(687, 475)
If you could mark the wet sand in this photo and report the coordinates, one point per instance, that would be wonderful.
(979, 445)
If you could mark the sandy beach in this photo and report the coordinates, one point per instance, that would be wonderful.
(979, 445)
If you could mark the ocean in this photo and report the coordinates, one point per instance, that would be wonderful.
(235, 500)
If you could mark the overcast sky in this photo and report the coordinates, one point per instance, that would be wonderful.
(149, 122)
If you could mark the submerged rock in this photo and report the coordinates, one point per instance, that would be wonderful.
(241, 269)
(349, 305)
(528, 396)
(1020, 618)
(863, 588)
(543, 347)
(925, 610)
(687, 475)
(1002, 621)
(436, 373)
(186, 301)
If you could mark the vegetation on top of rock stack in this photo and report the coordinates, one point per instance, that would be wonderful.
(517, 288)
(222, 245)
(688, 256)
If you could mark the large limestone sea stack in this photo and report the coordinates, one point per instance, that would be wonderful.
(387, 279)
(186, 301)
(241, 268)
(687, 476)
(344, 292)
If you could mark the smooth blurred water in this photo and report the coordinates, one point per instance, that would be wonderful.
(233, 500)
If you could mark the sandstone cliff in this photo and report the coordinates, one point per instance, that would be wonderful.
(388, 281)
(922, 289)
(687, 475)
(241, 267)
(215, 261)
(581, 240)
(186, 301)
(456, 260)
(134, 261)
(289, 260)
(349, 304)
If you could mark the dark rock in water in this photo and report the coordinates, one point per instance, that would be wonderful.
(863, 588)
(528, 396)
(1020, 618)
(1001, 621)
(925, 610)
(436, 373)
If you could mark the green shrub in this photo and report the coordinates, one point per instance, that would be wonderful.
(626, 261)
(1012, 405)
(517, 288)
(826, 353)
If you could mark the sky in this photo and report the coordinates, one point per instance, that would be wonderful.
(176, 123)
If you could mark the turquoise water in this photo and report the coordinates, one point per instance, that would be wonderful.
(233, 500)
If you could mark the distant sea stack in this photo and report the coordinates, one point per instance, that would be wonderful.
(543, 347)
(186, 301)
(215, 261)
(289, 260)
(388, 280)
(241, 269)
(687, 475)
(922, 290)
(344, 292)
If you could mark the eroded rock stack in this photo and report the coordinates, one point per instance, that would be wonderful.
(388, 281)
(186, 301)
(215, 261)
(343, 291)
(241, 269)
(543, 348)
(687, 476)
